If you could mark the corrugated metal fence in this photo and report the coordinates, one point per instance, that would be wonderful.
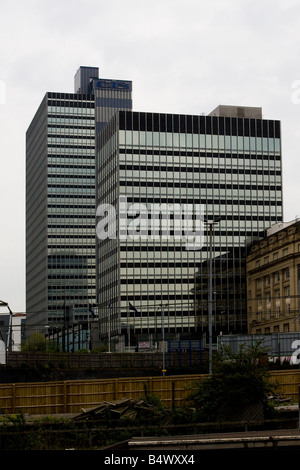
(73, 396)
(277, 345)
(114, 360)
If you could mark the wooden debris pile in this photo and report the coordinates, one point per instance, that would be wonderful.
(279, 398)
(126, 408)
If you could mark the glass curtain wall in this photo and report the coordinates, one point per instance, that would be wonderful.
(71, 208)
(230, 168)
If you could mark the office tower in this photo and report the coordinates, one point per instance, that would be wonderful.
(226, 167)
(60, 199)
(110, 95)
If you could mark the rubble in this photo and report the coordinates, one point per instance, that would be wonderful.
(126, 408)
(279, 398)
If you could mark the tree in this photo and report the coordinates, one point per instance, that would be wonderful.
(238, 382)
(36, 342)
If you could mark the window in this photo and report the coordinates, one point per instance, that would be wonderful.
(277, 276)
(258, 317)
(286, 273)
(287, 292)
(259, 301)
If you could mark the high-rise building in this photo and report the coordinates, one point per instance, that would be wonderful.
(60, 199)
(153, 279)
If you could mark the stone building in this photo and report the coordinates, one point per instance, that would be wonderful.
(273, 273)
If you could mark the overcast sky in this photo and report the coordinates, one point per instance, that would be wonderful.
(182, 56)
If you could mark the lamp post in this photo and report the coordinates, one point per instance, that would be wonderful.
(210, 290)
(163, 338)
(8, 339)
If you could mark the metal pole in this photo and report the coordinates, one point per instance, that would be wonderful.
(210, 300)
(89, 329)
(109, 328)
(9, 333)
(163, 340)
(299, 407)
(128, 328)
(63, 338)
(9, 329)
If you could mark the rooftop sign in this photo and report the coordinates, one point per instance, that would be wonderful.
(122, 85)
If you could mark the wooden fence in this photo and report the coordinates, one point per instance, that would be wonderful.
(73, 396)
(287, 383)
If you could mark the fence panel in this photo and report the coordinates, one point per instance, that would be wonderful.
(73, 396)
(7, 394)
(87, 394)
(287, 382)
(33, 398)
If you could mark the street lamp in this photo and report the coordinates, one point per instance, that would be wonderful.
(163, 337)
(211, 224)
(5, 304)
